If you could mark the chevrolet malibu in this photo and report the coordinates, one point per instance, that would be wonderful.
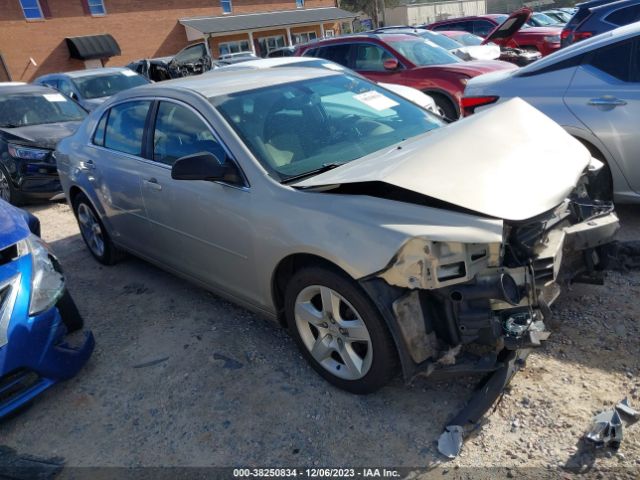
(345, 212)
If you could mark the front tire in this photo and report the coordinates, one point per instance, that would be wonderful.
(93, 233)
(8, 192)
(339, 330)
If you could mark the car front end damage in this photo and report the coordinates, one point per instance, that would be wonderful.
(456, 308)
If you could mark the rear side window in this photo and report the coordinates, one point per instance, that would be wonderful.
(98, 136)
(614, 60)
(461, 26)
(624, 16)
(578, 18)
(335, 53)
(180, 132)
(125, 127)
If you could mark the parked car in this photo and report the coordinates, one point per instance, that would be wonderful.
(36, 315)
(91, 87)
(154, 69)
(560, 16)
(495, 27)
(590, 88)
(473, 52)
(32, 120)
(405, 60)
(539, 19)
(282, 52)
(518, 56)
(411, 94)
(360, 220)
(599, 16)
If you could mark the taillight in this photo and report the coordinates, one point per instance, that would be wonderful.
(469, 104)
(577, 36)
(565, 34)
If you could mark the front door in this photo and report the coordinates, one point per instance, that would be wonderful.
(605, 95)
(201, 228)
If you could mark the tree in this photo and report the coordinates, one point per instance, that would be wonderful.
(373, 8)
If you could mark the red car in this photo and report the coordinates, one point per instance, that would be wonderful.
(406, 60)
(506, 30)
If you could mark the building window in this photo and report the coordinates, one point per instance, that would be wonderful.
(96, 7)
(329, 32)
(299, 3)
(226, 6)
(226, 48)
(31, 9)
(304, 37)
(268, 44)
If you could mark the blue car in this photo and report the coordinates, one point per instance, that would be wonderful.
(36, 315)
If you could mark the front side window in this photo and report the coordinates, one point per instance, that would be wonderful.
(616, 60)
(191, 54)
(125, 127)
(482, 28)
(31, 9)
(370, 58)
(96, 7)
(179, 132)
(107, 85)
(65, 87)
(298, 127)
(226, 6)
(421, 53)
(21, 110)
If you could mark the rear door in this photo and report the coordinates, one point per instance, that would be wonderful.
(605, 95)
(115, 171)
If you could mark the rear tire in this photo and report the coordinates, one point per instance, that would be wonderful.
(339, 330)
(93, 233)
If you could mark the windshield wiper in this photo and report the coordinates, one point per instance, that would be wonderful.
(324, 168)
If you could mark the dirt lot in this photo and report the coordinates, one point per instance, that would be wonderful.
(182, 378)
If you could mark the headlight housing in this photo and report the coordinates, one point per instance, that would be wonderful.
(552, 39)
(27, 153)
(47, 281)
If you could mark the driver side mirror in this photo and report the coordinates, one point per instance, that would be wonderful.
(391, 64)
(73, 96)
(205, 166)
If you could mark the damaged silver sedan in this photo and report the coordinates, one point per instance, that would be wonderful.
(380, 236)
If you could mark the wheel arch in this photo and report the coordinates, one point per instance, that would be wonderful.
(436, 92)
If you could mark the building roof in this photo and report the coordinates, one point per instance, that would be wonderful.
(233, 23)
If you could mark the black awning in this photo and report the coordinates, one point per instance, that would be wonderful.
(91, 47)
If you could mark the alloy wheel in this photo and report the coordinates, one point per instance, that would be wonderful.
(333, 332)
(91, 229)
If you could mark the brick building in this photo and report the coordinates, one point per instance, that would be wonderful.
(44, 36)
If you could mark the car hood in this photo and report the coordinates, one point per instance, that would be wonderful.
(510, 162)
(478, 52)
(13, 227)
(510, 26)
(476, 67)
(46, 135)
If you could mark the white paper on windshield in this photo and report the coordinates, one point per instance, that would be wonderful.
(375, 100)
(54, 97)
(128, 73)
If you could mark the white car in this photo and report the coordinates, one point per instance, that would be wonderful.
(411, 94)
(592, 89)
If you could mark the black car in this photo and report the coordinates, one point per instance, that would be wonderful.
(599, 16)
(32, 121)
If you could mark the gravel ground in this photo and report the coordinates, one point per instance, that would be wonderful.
(182, 378)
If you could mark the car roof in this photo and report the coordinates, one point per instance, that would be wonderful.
(25, 88)
(90, 72)
(224, 81)
(611, 5)
(593, 3)
(270, 62)
(583, 46)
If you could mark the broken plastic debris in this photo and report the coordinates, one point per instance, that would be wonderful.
(606, 430)
(450, 442)
(624, 408)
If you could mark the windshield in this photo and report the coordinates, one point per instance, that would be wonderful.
(423, 53)
(469, 39)
(299, 127)
(24, 109)
(107, 85)
(440, 40)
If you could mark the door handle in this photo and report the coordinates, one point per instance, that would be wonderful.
(153, 183)
(607, 102)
